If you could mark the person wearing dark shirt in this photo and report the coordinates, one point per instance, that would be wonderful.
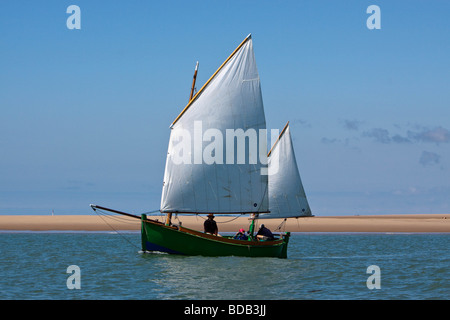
(210, 226)
(264, 234)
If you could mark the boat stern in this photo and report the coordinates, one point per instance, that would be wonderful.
(286, 237)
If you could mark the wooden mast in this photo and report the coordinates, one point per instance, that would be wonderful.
(169, 214)
(168, 219)
(193, 82)
(209, 80)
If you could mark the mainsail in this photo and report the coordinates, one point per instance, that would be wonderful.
(287, 197)
(204, 173)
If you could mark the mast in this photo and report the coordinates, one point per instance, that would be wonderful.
(251, 229)
(193, 82)
(169, 214)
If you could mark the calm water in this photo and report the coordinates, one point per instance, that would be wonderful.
(320, 266)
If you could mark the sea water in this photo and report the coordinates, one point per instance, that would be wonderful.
(320, 266)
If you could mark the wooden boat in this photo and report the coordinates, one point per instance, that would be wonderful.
(213, 177)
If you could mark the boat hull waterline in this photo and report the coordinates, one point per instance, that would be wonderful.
(158, 237)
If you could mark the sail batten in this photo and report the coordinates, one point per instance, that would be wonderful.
(287, 198)
(207, 169)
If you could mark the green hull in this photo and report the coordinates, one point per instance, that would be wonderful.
(179, 240)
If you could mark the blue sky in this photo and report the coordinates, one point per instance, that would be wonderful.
(85, 114)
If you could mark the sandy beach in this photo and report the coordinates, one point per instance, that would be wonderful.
(380, 223)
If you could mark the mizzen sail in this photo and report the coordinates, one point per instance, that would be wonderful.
(207, 169)
(287, 197)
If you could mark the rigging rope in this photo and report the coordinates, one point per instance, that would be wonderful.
(154, 211)
(282, 225)
(220, 221)
(103, 214)
(115, 217)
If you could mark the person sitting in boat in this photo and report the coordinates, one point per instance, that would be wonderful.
(264, 234)
(210, 226)
(241, 235)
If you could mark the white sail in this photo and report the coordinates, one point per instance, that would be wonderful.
(287, 197)
(203, 172)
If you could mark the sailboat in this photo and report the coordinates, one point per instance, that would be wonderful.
(204, 174)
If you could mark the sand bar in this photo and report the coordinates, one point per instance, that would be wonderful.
(381, 223)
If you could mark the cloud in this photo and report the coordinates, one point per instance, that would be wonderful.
(436, 135)
(408, 191)
(301, 122)
(352, 124)
(429, 158)
(378, 134)
(399, 139)
(329, 141)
